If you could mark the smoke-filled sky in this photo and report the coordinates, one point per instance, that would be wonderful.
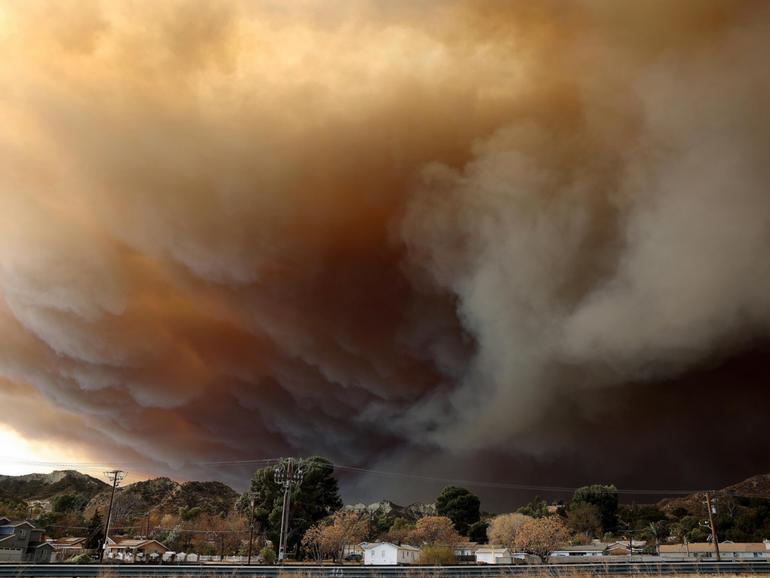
(503, 241)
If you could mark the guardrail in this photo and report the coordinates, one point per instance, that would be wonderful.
(492, 571)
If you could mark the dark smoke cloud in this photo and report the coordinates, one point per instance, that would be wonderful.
(430, 236)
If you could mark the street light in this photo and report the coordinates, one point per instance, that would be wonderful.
(253, 506)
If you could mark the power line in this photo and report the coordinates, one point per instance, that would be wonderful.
(506, 485)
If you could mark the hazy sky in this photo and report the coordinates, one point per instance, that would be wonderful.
(519, 241)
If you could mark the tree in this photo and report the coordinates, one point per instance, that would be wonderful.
(189, 514)
(268, 555)
(317, 497)
(537, 508)
(95, 532)
(460, 506)
(330, 536)
(583, 518)
(313, 542)
(540, 536)
(603, 497)
(399, 531)
(432, 530)
(502, 529)
(67, 503)
(478, 532)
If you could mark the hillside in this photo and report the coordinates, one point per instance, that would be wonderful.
(754, 487)
(47, 486)
(165, 496)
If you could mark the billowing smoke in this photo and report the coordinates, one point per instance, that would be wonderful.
(390, 233)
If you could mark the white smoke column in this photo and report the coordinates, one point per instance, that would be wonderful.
(631, 244)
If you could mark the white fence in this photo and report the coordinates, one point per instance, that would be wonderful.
(10, 555)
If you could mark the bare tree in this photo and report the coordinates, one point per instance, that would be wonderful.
(540, 536)
(330, 536)
(432, 530)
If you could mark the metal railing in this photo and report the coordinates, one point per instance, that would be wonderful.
(491, 571)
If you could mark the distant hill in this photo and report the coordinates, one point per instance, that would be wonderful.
(392, 510)
(165, 496)
(47, 486)
(159, 495)
(754, 487)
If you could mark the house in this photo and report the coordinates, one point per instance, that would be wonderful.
(727, 550)
(134, 549)
(493, 555)
(626, 547)
(22, 542)
(387, 554)
(68, 547)
(582, 550)
(525, 558)
(502, 555)
(465, 551)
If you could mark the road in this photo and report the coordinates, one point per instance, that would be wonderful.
(651, 568)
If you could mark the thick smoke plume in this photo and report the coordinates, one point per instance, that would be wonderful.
(390, 233)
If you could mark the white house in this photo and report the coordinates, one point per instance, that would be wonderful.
(493, 555)
(387, 554)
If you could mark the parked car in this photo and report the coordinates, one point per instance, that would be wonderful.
(353, 558)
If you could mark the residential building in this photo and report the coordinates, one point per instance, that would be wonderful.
(493, 555)
(727, 550)
(625, 547)
(387, 554)
(22, 542)
(465, 551)
(68, 547)
(582, 550)
(134, 549)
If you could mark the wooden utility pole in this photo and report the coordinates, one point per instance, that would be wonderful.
(251, 528)
(115, 476)
(714, 537)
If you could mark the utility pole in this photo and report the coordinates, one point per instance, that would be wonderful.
(147, 528)
(115, 476)
(289, 473)
(711, 510)
(251, 528)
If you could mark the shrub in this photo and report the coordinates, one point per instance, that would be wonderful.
(437, 555)
(268, 555)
